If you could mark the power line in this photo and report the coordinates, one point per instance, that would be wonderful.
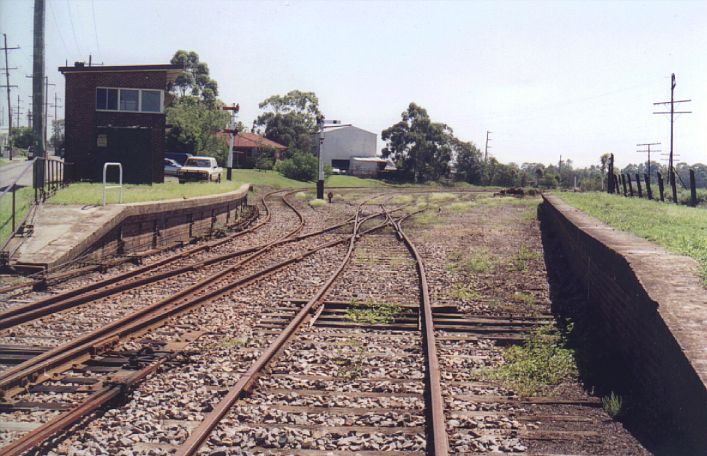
(73, 30)
(95, 28)
(58, 29)
(9, 86)
(672, 112)
(648, 150)
(486, 149)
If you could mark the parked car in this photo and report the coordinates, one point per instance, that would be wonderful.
(200, 168)
(179, 157)
(171, 167)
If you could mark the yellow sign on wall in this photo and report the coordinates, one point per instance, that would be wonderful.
(102, 141)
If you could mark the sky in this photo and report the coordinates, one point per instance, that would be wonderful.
(549, 79)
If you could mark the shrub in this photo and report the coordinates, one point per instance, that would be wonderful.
(612, 404)
(301, 166)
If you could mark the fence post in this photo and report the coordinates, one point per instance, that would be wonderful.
(638, 185)
(616, 184)
(14, 224)
(661, 188)
(647, 178)
(630, 184)
(623, 183)
(693, 189)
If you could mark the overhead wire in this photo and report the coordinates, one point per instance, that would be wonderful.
(73, 29)
(95, 28)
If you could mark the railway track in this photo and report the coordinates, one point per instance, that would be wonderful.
(95, 353)
(353, 351)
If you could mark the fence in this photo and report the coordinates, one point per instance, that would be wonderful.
(619, 182)
(47, 178)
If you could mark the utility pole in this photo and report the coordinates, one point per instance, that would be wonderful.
(672, 112)
(648, 150)
(29, 118)
(8, 87)
(38, 127)
(559, 171)
(18, 110)
(46, 109)
(55, 130)
(486, 149)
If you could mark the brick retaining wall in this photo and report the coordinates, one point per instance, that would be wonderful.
(652, 312)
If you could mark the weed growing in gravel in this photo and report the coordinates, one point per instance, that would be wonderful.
(525, 298)
(462, 293)
(349, 358)
(317, 203)
(478, 261)
(234, 342)
(612, 404)
(540, 364)
(402, 199)
(462, 206)
(436, 198)
(426, 218)
(520, 260)
(372, 312)
(302, 195)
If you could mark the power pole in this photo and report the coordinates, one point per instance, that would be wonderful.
(38, 127)
(648, 150)
(18, 109)
(486, 149)
(672, 112)
(46, 109)
(8, 87)
(55, 105)
(559, 171)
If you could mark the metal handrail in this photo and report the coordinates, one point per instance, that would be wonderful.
(120, 180)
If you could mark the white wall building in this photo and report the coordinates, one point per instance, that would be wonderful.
(343, 144)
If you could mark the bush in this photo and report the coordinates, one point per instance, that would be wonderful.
(264, 163)
(302, 167)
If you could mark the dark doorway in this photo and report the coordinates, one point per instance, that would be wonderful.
(129, 146)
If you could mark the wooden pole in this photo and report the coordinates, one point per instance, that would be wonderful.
(661, 188)
(647, 178)
(638, 185)
(693, 189)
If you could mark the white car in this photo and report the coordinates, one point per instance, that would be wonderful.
(171, 167)
(200, 169)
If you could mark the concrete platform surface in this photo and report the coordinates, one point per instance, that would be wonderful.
(61, 232)
(58, 229)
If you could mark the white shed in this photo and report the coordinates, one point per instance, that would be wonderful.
(342, 144)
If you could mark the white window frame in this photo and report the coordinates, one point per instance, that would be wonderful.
(139, 100)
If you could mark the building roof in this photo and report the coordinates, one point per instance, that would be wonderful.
(246, 140)
(370, 159)
(172, 70)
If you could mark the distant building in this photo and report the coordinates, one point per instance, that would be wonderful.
(350, 149)
(116, 114)
(247, 147)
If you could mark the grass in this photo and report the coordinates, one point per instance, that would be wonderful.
(537, 366)
(525, 298)
(4, 162)
(23, 199)
(426, 218)
(612, 404)
(479, 261)
(349, 359)
(462, 293)
(402, 199)
(317, 202)
(522, 258)
(679, 229)
(372, 313)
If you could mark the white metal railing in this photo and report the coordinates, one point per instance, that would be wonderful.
(120, 180)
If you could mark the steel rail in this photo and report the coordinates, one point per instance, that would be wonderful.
(38, 436)
(437, 430)
(199, 435)
(22, 314)
(141, 319)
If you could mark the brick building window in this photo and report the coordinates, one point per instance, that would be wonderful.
(128, 100)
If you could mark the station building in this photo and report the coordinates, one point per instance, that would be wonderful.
(116, 114)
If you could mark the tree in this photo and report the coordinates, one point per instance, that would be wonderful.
(196, 80)
(302, 166)
(22, 137)
(194, 127)
(421, 148)
(604, 160)
(469, 164)
(290, 119)
(57, 139)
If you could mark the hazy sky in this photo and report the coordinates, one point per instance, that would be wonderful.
(548, 78)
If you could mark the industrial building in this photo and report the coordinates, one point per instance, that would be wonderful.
(351, 150)
(116, 114)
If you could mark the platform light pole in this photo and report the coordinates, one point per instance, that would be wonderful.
(229, 160)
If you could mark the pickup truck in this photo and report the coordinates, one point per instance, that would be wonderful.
(200, 169)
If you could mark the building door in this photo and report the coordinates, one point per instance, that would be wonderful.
(129, 146)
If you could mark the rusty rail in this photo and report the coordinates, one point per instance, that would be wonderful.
(436, 431)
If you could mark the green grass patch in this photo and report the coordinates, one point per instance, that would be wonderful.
(402, 199)
(23, 200)
(317, 203)
(372, 312)
(479, 261)
(520, 260)
(679, 229)
(612, 404)
(463, 293)
(441, 197)
(537, 366)
(426, 218)
(525, 298)
(461, 206)
(352, 181)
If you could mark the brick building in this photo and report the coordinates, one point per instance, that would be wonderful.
(116, 114)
